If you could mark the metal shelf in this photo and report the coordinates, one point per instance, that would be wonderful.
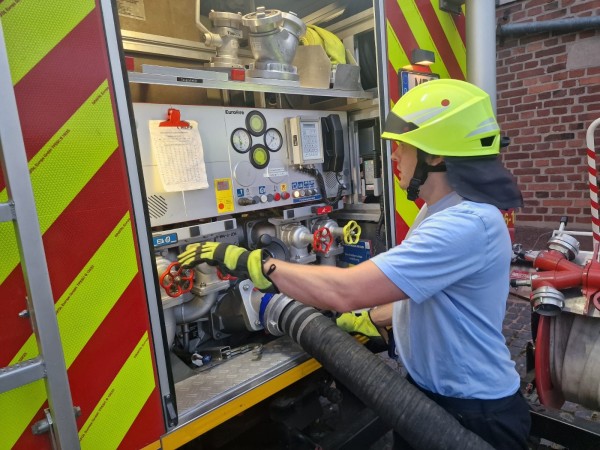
(266, 86)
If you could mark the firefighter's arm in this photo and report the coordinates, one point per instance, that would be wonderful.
(333, 288)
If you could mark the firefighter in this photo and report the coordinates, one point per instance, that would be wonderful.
(448, 280)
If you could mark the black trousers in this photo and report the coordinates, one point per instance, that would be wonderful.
(504, 423)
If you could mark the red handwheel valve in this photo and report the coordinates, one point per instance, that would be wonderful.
(176, 280)
(322, 240)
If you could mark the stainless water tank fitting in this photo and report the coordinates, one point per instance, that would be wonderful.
(224, 37)
(273, 37)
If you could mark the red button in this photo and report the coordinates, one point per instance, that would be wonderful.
(221, 206)
(285, 195)
(238, 75)
(276, 197)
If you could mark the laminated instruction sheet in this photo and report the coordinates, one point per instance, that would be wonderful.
(179, 155)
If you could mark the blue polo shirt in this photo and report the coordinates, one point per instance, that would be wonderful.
(454, 267)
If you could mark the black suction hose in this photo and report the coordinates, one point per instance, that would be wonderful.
(420, 421)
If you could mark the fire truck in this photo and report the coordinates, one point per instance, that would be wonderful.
(131, 129)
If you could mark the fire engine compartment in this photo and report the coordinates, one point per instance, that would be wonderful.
(293, 165)
(218, 348)
(214, 331)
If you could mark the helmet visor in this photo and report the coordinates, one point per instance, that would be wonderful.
(395, 126)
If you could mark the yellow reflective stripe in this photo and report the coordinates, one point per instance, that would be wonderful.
(407, 209)
(396, 54)
(64, 166)
(422, 35)
(108, 423)
(80, 311)
(13, 405)
(34, 27)
(453, 36)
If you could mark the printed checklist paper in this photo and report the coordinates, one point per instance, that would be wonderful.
(179, 155)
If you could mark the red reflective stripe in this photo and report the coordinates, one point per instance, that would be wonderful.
(137, 436)
(400, 26)
(393, 87)
(107, 350)
(92, 214)
(461, 26)
(441, 41)
(401, 228)
(41, 100)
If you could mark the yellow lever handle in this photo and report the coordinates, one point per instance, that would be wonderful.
(351, 232)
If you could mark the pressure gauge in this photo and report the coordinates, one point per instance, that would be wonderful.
(256, 123)
(273, 139)
(241, 140)
(259, 156)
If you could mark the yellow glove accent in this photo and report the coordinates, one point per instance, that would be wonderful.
(358, 322)
(255, 271)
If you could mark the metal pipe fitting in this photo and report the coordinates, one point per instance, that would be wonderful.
(560, 25)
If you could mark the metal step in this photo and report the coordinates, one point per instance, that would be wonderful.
(20, 374)
(7, 212)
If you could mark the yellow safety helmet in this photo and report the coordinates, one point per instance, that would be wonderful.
(454, 119)
(445, 118)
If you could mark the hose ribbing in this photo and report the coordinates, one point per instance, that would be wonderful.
(398, 403)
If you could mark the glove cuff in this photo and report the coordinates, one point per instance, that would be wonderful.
(255, 270)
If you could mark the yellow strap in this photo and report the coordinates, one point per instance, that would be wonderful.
(34, 27)
(62, 168)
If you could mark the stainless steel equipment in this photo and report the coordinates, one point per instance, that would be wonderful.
(273, 37)
(225, 37)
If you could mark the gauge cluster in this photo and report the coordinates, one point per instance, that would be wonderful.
(270, 139)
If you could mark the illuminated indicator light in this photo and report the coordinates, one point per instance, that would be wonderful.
(277, 196)
(296, 194)
(260, 156)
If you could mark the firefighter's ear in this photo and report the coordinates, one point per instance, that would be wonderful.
(433, 160)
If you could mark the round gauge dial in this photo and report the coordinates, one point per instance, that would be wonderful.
(256, 123)
(241, 140)
(273, 139)
(259, 156)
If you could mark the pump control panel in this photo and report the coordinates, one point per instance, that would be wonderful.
(252, 159)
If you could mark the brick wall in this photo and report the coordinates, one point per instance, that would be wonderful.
(548, 95)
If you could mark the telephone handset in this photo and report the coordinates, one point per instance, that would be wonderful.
(333, 143)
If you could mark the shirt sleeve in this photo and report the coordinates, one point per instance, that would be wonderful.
(444, 249)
